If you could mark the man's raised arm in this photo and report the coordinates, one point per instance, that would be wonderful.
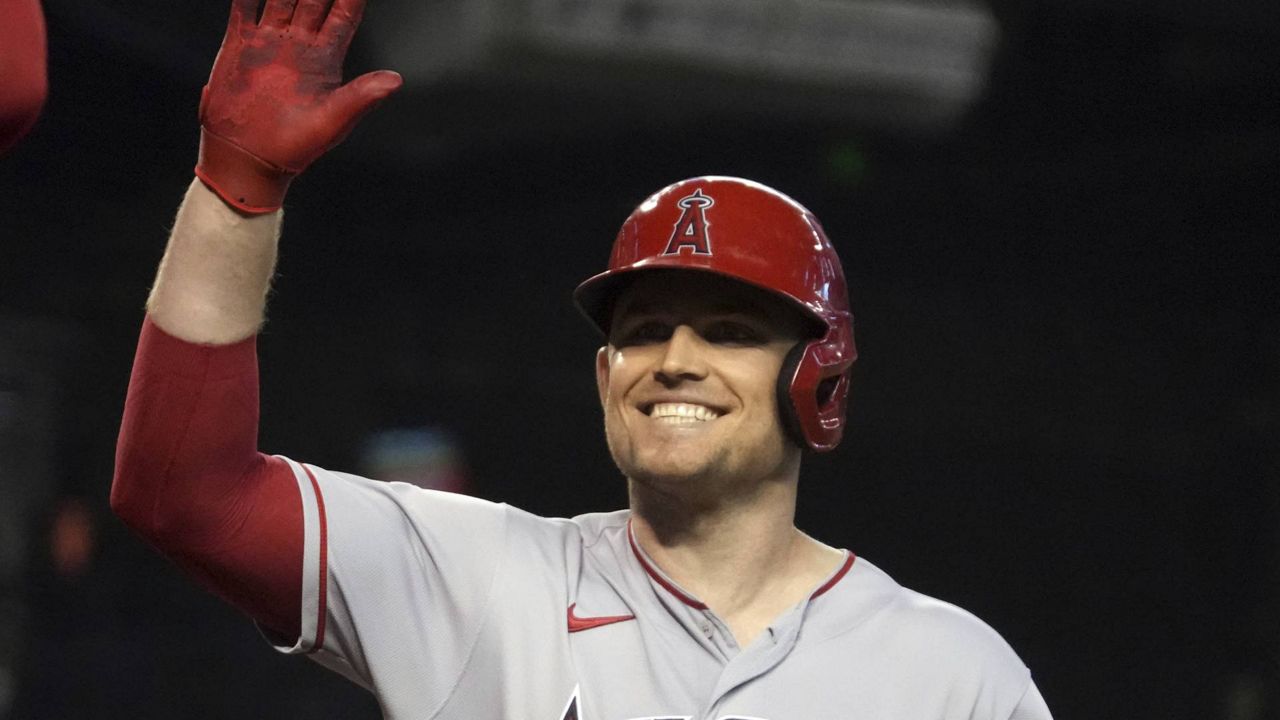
(274, 103)
(189, 477)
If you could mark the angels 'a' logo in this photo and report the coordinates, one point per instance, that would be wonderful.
(572, 711)
(691, 230)
(571, 707)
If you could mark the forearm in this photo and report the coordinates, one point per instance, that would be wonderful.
(213, 281)
(274, 103)
(189, 477)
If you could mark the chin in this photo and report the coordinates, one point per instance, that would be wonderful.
(670, 474)
(701, 465)
(676, 472)
(658, 464)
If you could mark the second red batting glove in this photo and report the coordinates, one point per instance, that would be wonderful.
(24, 79)
(275, 100)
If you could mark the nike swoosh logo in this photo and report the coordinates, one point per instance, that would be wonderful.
(578, 624)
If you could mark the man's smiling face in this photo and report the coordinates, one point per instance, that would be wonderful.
(689, 379)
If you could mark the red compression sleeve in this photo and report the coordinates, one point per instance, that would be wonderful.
(189, 478)
(23, 73)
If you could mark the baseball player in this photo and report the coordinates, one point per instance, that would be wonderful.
(728, 347)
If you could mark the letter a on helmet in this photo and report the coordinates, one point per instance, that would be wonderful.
(691, 229)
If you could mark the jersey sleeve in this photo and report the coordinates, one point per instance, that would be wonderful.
(1032, 706)
(386, 583)
(397, 581)
(959, 666)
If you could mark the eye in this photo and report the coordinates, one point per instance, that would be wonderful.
(644, 333)
(729, 332)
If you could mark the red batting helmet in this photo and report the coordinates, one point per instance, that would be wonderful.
(749, 232)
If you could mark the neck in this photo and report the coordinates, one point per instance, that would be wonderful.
(705, 541)
(744, 558)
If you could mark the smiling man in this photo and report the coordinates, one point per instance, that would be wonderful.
(728, 348)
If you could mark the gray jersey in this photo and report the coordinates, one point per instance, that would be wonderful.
(447, 606)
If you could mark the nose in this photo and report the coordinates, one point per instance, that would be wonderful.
(682, 357)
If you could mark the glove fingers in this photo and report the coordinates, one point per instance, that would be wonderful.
(243, 12)
(340, 26)
(350, 102)
(278, 13)
(309, 14)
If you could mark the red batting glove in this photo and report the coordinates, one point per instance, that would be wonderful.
(275, 100)
(24, 80)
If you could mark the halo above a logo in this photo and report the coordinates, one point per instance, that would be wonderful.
(692, 230)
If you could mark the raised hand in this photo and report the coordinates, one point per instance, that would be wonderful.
(275, 100)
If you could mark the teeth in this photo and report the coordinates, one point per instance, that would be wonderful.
(682, 413)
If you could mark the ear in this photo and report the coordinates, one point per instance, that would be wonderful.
(602, 373)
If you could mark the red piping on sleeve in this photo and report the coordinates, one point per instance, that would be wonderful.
(323, 593)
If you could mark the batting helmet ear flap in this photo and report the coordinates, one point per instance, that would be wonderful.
(786, 407)
(820, 386)
(809, 389)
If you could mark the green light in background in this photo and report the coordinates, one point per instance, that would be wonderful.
(847, 163)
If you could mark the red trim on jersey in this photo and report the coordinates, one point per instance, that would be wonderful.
(578, 624)
(323, 593)
(695, 604)
(844, 570)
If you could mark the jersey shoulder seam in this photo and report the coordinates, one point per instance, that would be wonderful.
(1026, 688)
(593, 533)
(484, 615)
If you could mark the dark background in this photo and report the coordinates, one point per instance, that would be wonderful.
(1064, 416)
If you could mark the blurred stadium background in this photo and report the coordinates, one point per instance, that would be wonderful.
(1059, 220)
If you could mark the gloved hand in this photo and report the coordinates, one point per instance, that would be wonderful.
(24, 81)
(275, 100)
